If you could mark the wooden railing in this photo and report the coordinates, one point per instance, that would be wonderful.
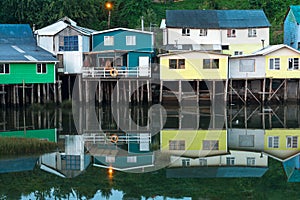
(116, 72)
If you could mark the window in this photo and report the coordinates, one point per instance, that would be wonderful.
(293, 63)
(230, 160)
(202, 162)
(185, 162)
(176, 64)
(210, 145)
(251, 32)
(186, 32)
(250, 161)
(210, 63)
(231, 33)
(72, 162)
(130, 40)
(274, 63)
(273, 141)
(108, 40)
(236, 53)
(247, 65)
(203, 32)
(176, 145)
(131, 159)
(69, 43)
(110, 159)
(225, 47)
(41, 68)
(291, 141)
(4, 68)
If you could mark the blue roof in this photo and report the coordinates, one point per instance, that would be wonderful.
(216, 18)
(17, 44)
(292, 169)
(296, 12)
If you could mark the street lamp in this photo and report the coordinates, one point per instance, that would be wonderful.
(108, 6)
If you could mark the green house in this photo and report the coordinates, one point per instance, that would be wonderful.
(21, 60)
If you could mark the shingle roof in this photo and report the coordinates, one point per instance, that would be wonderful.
(17, 44)
(216, 18)
(296, 12)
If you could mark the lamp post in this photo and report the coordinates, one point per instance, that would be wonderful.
(108, 6)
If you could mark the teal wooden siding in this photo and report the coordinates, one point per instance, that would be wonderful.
(44, 134)
(133, 59)
(26, 72)
(143, 41)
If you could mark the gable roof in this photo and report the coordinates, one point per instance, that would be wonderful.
(17, 44)
(122, 29)
(60, 25)
(295, 9)
(216, 19)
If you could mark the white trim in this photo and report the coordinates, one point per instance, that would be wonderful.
(124, 29)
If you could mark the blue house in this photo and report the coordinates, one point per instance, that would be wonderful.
(126, 52)
(291, 27)
(292, 168)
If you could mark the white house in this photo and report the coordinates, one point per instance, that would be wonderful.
(233, 32)
(67, 41)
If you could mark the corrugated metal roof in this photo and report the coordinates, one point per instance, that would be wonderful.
(60, 25)
(296, 12)
(216, 18)
(17, 44)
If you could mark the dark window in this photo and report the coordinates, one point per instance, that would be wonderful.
(186, 32)
(176, 64)
(4, 68)
(210, 63)
(41, 68)
(70, 43)
(225, 47)
(231, 33)
(176, 145)
(293, 63)
(210, 145)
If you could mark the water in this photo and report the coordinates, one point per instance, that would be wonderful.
(138, 152)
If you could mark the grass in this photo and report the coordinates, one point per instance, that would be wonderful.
(25, 146)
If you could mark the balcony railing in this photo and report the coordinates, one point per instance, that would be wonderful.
(116, 72)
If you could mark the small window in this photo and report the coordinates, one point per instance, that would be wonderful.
(110, 159)
(41, 68)
(202, 162)
(250, 161)
(131, 40)
(210, 63)
(293, 63)
(251, 32)
(4, 68)
(231, 33)
(186, 32)
(186, 162)
(230, 161)
(236, 53)
(247, 65)
(176, 145)
(274, 63)
(108, 40)
(225, 47)
(210, 145)
(203, 32)
(291, 141)
(177, 64)
(131, 159)
(273, 141)
(69, 43)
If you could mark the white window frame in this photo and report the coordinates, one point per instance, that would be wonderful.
(273, 142)
(202, 161)
(43, 68)
(130, 40)
(203, 32)
(274, 63)
(252, 32)
(177, 145)
(230, 160)
(6, 68)
(236, 53)
(110, 159)
(186, 32)
(186, 162)
(247, 64)
(293, 63)
(250, 161)
(108, 40)
(231, 33)
(291, 142)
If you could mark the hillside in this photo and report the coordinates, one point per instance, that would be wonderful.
(92, 13)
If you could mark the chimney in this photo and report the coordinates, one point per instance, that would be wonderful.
(263, 43)
(142, 23)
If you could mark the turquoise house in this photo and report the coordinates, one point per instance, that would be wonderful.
(128, 51)
(291, 27)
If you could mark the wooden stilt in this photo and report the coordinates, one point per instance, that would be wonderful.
(246, 89)
(179, 91)
(225, 91)
(213, 90)
(142, 91)
(44, 93)
(23, 92)
(86, 92)
(54, 93)
(161, 91)
(3, 95)
(69, 86)
(148, 91)
(48, 93)
(124, 91)
(137, 91)
(129, 91)
(100, 92)
(59, 92)
(80, 88)
(118, 92)
(17, 94)
(264, 90)
(197, 91)
(270, 88)
(285, 90)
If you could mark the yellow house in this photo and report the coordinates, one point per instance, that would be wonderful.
(281, 61)
(193, 65)
(282, 143)
(194, 143)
